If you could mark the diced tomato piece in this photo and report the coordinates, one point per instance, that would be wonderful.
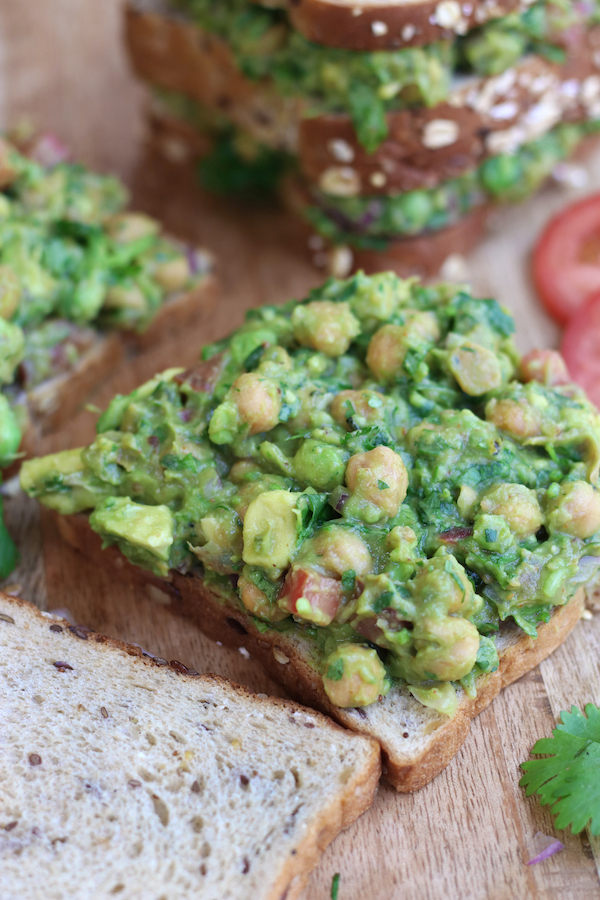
(566, 259)
(456, 534)
(581, 348)
(546, 366)
(311, 596)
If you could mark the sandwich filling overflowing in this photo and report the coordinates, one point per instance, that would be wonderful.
(373, 469)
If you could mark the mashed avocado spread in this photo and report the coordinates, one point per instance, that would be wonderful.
(368, 84)
(373, 468)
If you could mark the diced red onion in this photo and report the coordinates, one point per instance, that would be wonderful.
(341, 502)
(552, 846)
(453, 535)
(49, 151)
(197, 259)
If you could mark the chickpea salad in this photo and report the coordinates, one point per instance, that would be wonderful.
(72, 262)
(374, 468)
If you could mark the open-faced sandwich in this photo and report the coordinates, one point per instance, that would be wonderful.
(398, 124)
(368, 489)
(77, 273)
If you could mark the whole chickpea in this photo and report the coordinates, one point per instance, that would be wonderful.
(368, 405)
(518, 419)
(443, 583)
(386, 352)
(173, 274)
(257, 602)
(325, 326)
(389, 345)
(258, 401)
(517, 504)
(576, 510)
(122, 296)
(126, 227)
(338, 549)
(546, 366)
(354, 676)
(446, 647)
(379, 478)
(476, 368)
(10, 291)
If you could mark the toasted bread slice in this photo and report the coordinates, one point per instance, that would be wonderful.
(424, 147)
(390, 24)
(416, 742)
(129, 775)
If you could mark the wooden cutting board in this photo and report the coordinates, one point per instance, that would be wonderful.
(470, 832)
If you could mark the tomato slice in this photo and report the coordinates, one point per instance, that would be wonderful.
(566, 259)
(311, 596)
(581, 347)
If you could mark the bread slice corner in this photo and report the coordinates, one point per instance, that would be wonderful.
(127, 775)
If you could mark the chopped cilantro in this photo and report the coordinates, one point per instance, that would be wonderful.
(349, 580)
(335, 670)
(567, 779)
(383, 601)
(335, 886)
(382, 485)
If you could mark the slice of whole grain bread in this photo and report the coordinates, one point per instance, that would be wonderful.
(124, 775)
(390, 24)
(416, 742)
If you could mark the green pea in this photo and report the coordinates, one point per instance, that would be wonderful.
(493, 533)
(414, 209)
(500, 173)
(320, 465)
(494, 50)
(10, 433)
(84, 302)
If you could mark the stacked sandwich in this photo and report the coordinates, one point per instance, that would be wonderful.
(404, 120)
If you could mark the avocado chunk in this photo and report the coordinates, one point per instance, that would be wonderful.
(271, 531)
(140, 531)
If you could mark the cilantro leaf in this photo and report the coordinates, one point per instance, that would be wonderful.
(568, 778)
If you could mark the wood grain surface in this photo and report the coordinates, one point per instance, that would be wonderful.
(470, 832)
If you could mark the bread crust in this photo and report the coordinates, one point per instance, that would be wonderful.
(349, 804)
(287, 661)
(389, 26)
